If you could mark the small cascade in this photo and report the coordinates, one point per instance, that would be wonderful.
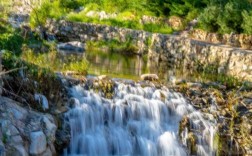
(137, 121)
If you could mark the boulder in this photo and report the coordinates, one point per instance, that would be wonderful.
(102, 77)
(73, 46)
(17, 150)
(38, 143)
(175, 22)
(20, 128)
(42, 101)
(149, 77)
(2, 149)
(49, 129)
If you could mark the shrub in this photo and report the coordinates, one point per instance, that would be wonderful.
(48, 9)
(208, 18)
(247, 22)
(10, 39)
(69, 4)
(230, 18)
(225, 16)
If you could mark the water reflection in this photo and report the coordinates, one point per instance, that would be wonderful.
(129, 67)
(116, 65)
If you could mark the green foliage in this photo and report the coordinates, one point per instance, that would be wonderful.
(10, 39)
(48, 9)
(114, 45)
(226, 16)
(223, 16)
(57, 62)
(227, 24)
(247, 22)
(157, 28)
(69, 4)
(38, 80)
(176, 7)
(208, 18)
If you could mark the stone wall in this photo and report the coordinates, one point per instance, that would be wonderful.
(191, 53)
(72, 31)
(173, 49)
(236, 40)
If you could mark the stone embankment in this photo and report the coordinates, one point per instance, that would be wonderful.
(236, 40)
(173, 49)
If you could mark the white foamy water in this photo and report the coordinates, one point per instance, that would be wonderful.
(137, 121)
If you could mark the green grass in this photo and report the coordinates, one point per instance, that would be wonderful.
(126, 16)
(119, 22)
(55, 62)
(114, 45)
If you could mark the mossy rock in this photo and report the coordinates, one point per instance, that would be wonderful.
(183, 124)
(103, 85)
(192, 143)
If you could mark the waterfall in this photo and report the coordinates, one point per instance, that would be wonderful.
(137, 121)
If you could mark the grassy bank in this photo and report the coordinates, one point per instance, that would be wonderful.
(33, 63)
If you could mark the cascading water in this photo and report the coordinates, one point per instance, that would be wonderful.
(137, 121)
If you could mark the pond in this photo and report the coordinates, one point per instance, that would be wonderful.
(131, 67)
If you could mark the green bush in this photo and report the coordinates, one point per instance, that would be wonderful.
(226, 16)
(69, 4)
(10, 39)
(247, 22)
(48, 9)
(230, 19)
(208, 18)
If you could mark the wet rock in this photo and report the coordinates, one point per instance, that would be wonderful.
(63, 137)
(102, 84)
(241, 109)
(42, 100)
(38, 143)
(48, 152)
(191, 143)
(73, 46)
(49, 129)
(2, 148)
(184, 123)
(17, 150)
(73, 102)
(149, 77)
(102, 77)
(61, 110)
(16, 140)
(190, 84)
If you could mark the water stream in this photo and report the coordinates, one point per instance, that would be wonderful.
(137, 121)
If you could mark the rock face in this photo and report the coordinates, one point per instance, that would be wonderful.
(25, 132)
(233, 117)
(150, 77)
(172, 49)
(72, 31)
(38, 143)
(236, 40)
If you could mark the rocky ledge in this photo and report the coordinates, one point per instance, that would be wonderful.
(230, 108)
(25, 132)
